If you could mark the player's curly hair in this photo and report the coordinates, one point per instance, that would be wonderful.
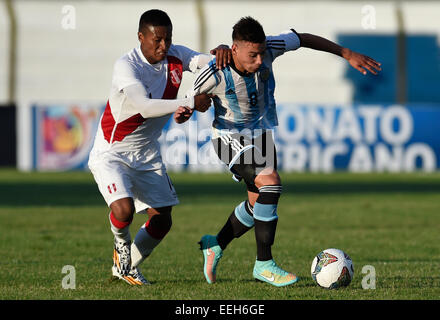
(154, 17)
(248, 29)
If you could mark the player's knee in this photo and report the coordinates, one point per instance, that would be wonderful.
(160, 222)
(267, 177)
(164, 221)
(123, 209)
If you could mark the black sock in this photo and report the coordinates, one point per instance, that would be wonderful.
(233, 228)
(265, 236)
(266, 210)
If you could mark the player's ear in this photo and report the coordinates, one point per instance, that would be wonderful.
(234, 48)
(140, 36)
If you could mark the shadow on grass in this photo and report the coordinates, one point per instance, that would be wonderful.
(87, 194)
(49, 194)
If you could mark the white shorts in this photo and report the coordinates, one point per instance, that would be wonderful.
(148, 188)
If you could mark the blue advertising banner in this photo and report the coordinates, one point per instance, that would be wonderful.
(360, 138)
(370, 138)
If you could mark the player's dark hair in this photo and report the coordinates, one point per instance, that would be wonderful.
(155, 18)
(248, 29)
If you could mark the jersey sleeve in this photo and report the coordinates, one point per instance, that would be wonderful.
(286, 41)
(192, 60)
(206, 81)
(152, 108)
(124, 74)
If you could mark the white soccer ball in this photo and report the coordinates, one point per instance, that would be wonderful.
(332, 269)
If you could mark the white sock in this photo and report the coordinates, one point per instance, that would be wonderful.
(121, 234)
(142, 246)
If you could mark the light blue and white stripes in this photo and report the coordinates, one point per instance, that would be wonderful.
(241, 212)
(267, 211)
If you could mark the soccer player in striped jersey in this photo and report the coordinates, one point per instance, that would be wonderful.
(125, 159)
(245, 114)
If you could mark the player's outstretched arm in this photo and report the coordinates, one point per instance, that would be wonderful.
(223, 57)
(360, 62)
(152, 108)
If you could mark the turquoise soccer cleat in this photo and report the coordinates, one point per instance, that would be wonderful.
(268, 271)
(211, 255)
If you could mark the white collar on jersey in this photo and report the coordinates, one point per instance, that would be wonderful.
(156, 66)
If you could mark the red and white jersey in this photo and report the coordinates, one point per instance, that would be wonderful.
(123, 133)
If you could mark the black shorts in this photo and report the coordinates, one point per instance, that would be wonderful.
(247, 156)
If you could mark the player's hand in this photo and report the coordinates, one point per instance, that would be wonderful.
(361, 62)
(182, 114)
(223, 56)
(202, 102)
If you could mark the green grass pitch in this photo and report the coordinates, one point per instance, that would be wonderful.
(388, 221)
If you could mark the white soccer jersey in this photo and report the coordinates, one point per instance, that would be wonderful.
(245, 101)
(124, 133)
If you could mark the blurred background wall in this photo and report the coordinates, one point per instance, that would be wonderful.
(56, 60)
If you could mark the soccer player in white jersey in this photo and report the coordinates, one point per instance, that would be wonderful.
(125, 160)
(245, 114)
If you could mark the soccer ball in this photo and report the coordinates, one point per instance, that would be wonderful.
(332, 269)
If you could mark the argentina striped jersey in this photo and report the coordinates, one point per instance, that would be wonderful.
(245, 101)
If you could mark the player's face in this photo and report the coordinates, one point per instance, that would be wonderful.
(248, 56)
(155, 42)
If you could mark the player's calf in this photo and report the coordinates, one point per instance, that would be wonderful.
(151, 234)
(239, 222)
(266, 217)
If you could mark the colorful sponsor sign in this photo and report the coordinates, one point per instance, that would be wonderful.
(63, 135)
